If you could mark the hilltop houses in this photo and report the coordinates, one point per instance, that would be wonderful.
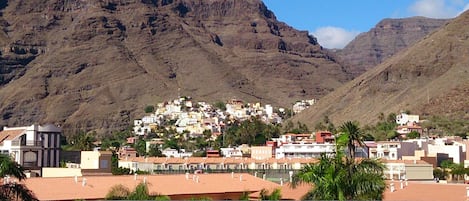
(194, 118)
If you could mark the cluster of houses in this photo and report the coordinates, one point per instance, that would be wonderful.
(37, 149)
(195, 118)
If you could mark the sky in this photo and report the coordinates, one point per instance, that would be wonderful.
(336, 22)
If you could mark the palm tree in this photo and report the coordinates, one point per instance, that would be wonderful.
(337, 179)
(275, 195)
(13, 190)
(354, 135)
(9, 167)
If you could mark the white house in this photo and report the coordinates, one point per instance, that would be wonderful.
(175, 153)
(32, 147)
(231, 152)
(403, 119)
(455, 150)
(385, 150)
(303, 150)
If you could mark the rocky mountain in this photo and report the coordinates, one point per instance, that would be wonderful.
(429, 78)
(94, 65)
(387, 38)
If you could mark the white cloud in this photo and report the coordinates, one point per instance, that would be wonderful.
(334, 37)
(438, 8)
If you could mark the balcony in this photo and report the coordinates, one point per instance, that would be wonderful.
(35, 143)
(31, 164)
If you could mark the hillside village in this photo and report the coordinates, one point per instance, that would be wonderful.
(407, 158)
(78, 79)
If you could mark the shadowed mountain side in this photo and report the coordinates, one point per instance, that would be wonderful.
(94, 65)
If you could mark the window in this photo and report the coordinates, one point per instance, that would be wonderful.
(103, 164)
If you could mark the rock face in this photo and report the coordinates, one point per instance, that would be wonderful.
(94, 65)
(429, 78)
(384, 40)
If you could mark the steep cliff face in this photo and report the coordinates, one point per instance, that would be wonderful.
(430, 77)
(384, 40)
(94, 65)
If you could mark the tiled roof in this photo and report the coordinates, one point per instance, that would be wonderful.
(295, 193)
(405, 161)
(10, 134)
(218, 160)
(98, 186)
(422, 191)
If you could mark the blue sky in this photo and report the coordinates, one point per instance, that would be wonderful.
(337, 22)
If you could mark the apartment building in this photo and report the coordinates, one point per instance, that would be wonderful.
(33, 147)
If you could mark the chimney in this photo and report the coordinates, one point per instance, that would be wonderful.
(76, 179)
(241, 177)
(83, 183)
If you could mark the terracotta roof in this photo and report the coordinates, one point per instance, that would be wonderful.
(10, 134)
(422, 191)
(405, 161)
(98, 186)
(295, 193)
(218, 160)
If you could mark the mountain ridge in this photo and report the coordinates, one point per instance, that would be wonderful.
(384, 40)
(94, 65)
(416, 79)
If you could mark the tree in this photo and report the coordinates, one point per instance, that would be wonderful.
(220, 105)
(140, 193)
(115, 169)
(275, 195)
(141, 147)
(83, 141)
(154, 150)
(354, 136)
(118, 192)
(13, 190)
(149, 109)
(413, 135)
(439, 173)
(337, 179)
(445, 167)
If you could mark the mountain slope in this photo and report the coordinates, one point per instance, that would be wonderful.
(429, 78)
(387, 38)
(94, 65)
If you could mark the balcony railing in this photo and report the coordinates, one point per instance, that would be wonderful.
(26, 143)
(30, 164)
